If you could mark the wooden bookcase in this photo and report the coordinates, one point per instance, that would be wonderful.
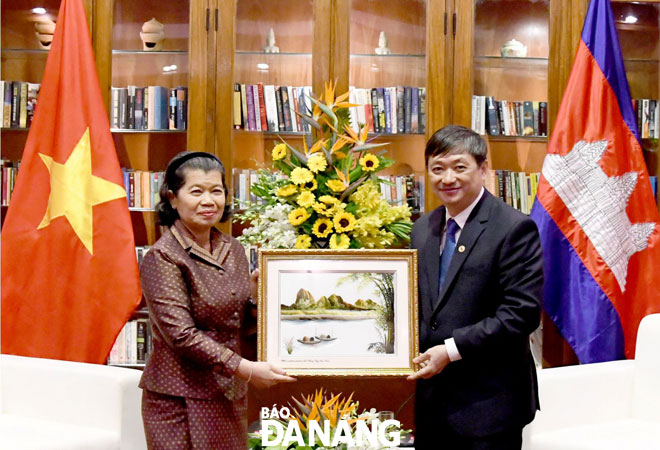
(450, 47)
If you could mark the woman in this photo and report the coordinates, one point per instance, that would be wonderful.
(195, 280)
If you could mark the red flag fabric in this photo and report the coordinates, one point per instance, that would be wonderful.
(69, 272)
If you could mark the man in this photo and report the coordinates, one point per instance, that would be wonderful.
(480, 285)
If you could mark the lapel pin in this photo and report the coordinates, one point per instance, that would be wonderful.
(461, 248)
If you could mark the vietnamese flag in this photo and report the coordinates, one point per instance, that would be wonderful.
(69, 271)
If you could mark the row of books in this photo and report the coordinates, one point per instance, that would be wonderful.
(394, 109)
(19, 99)
(133, 344)
(509, 118)
(517, 189)
(259, 107)
(149, 108)
(404, 189)
(142, 187)
(9, 172)
(648, 119)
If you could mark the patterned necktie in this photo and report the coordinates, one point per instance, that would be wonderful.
(448, 251)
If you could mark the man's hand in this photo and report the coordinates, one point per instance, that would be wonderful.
(432, 361)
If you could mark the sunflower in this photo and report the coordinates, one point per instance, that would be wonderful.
(310, 185)
(306, 199)
(279, 152)
(322, 227)
(287, 190)
(317, 163)
(335, 185)
(303, 242)
(339, 241)
(298, 216)
(344, 221)
(300, 175)
(369, 162)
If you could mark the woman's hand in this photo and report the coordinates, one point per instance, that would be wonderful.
(262, 374)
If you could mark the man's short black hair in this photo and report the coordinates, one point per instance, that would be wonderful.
(454, 139)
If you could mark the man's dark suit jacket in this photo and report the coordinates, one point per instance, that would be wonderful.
(490, 303)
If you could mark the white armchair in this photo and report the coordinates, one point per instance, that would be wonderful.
(50, 404)
(612, 405)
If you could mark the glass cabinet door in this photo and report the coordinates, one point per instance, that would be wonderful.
(638, 27)
(148, 99)
(510, 93)
(272, 80)
(27, 31)
(387, 79)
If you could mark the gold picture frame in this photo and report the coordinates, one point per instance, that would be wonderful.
(338, 312)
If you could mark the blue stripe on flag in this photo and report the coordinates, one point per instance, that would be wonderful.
(600, 36)
(572, 298)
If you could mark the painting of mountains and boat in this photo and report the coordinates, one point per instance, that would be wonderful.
(336, 313)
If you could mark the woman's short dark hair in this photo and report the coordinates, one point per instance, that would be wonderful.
(175, 177)
(456, 139)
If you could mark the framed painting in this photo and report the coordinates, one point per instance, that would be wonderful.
(338, 312)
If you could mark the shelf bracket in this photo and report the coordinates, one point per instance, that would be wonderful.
(208, 13)
(454, 25)
(216, 19)
(445, 23)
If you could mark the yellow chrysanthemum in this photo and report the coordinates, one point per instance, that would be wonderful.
(303, 241)
(279, 152)
(322, 227)
(305, 199)
(329, 200)
(287, 191)
(322, 209)
(369, 162)
(310, 185)
(300, 175)
(339, 241)
(298, 216)
(317, 163)
(335, 185)
(344, 221)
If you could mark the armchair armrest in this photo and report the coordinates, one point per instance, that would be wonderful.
(581, 395)
(88, 395)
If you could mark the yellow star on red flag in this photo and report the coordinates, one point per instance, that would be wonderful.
(74, 191)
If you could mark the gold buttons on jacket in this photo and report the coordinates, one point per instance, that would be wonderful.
(461, 248)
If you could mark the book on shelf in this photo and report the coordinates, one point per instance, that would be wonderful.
(403, 189)
(142, 187)
(133, 344)
(149, 108)
(256, 104)
(237, 116)
(509, 117)
(8, 174)
(393, 109)
(648, 118)
(517, 189)
(19, 100)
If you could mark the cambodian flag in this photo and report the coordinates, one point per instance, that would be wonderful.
(595, 210)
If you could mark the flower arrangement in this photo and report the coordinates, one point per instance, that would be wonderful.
(333, 409)
(331, 196)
